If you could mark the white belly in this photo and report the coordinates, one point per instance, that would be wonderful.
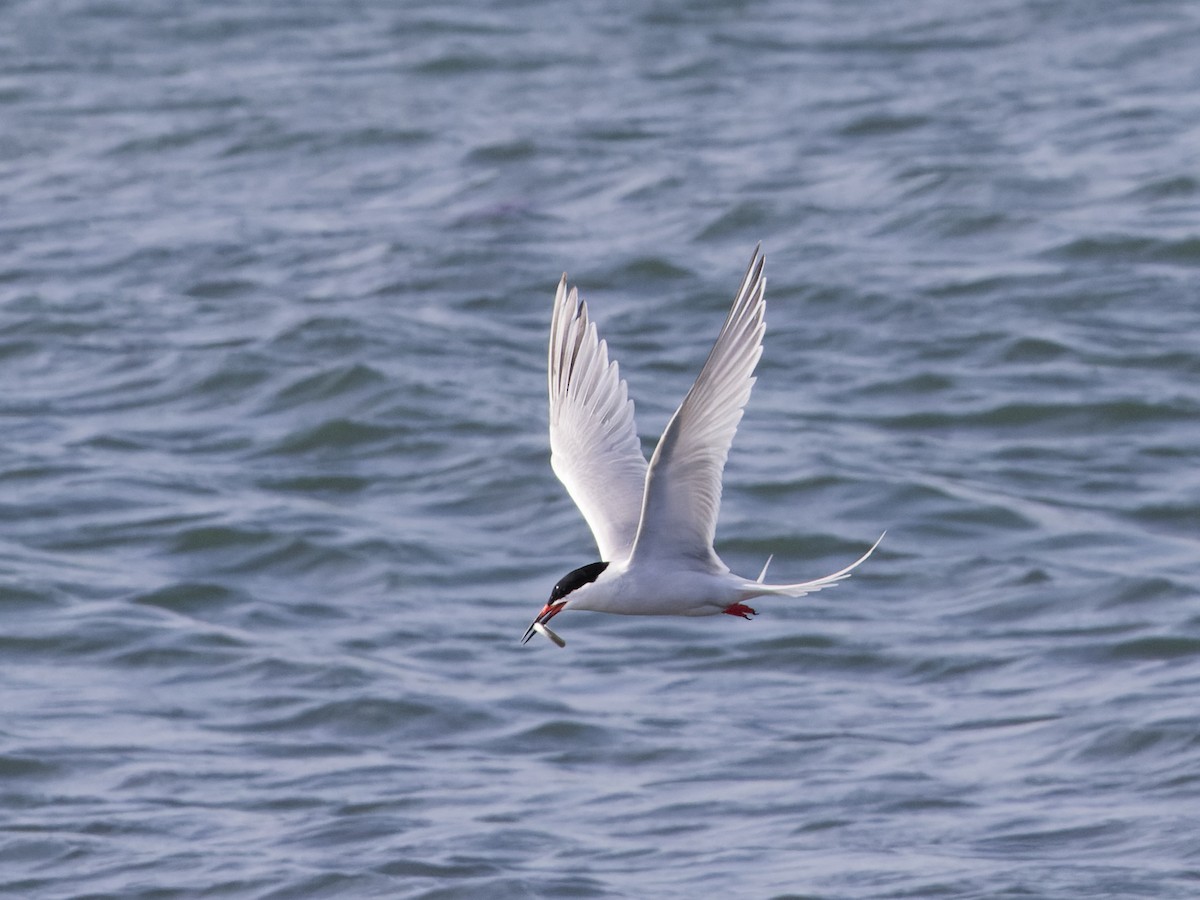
(660, 593)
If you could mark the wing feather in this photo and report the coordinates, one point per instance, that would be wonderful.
(594, 446)
(683, 487)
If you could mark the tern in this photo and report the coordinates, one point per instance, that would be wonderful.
(654, 523)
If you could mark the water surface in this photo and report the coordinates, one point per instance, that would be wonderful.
(275, 283)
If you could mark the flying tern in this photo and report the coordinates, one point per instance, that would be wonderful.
(653, 524)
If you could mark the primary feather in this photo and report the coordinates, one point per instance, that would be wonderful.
(594, 446)
(683, 486)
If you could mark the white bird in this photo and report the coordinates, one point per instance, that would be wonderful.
(654, 525)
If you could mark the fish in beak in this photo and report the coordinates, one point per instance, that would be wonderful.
(549, 611)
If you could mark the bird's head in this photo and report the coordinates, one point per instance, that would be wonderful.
(564, 591)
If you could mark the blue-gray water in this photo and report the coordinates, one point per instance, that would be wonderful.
(275, 281)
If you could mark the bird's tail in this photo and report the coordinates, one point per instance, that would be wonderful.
(757, 588)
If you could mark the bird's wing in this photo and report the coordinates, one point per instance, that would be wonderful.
(683, 487)
(594, 446)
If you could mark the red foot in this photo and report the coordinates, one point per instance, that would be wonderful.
(740, 609)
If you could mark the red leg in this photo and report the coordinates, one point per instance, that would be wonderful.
(740, 609)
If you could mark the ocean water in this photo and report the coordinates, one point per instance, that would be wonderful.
(275, 283)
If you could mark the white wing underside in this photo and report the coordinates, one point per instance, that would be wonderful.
(594, 445)
(683, 486)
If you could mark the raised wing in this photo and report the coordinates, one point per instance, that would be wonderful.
(683, 488)
(594, 446)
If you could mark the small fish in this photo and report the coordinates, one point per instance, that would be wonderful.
(539, 627)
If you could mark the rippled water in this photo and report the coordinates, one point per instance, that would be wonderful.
(275, 282)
